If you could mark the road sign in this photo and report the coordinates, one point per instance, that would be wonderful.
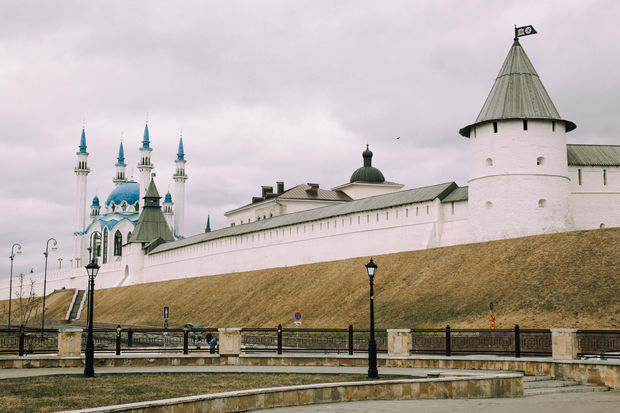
(297, 323)
(166, 323)
(166, 312)
(298, 316)
(491, 306)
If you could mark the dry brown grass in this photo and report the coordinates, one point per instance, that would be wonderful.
(56, 305)
(50, 394)
(558, 280)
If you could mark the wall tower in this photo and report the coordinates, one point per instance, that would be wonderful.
(144, 165)
(81, 174)
(518, 173)
(179, 192)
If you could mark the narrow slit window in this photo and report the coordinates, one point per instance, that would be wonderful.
(604, 176)
(494, 127)
(489, 162)
(552, 126)
(579, 176)
(542, 203)
(524, 125)
(540, 160)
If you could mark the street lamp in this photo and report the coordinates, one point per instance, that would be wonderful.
(13, 252)
(46, 253)
(91, 269)
(371, 267)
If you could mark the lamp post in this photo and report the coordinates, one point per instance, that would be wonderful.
(371, 267)
(92, 269)
(46, 253)
(13, 252)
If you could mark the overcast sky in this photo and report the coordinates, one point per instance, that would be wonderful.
(266, 91)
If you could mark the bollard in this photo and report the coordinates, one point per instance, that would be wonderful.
(350, 339)
(279, 338)
(130, 338)
(21, 340)
(448, 350)
(517, 341)
(118, 340)
(185, 339)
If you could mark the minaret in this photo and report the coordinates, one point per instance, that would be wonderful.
(179, 192)
(120, 177)
(81, 173)
(168, 205)
(145, 166)
(95, 207)
(518, 173)
(208, 227)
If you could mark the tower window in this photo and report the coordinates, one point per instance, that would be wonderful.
(579, 176)
(488, 204)
(542, 203)
(105, 245)
(489, 162)
(552, 126)
(494, 127)
(604, 176)
(118, 244)
(524, 125)
(540, 160)
(427, 209)
(602, 226)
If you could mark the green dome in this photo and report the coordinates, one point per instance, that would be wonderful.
(367, 173)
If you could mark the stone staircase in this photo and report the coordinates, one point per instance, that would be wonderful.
(535, 385)
(76, 305)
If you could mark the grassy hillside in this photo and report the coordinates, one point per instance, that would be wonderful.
(558, 280)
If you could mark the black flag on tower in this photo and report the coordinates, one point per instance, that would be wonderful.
(524, 31)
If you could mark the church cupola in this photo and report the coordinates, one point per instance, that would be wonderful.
(95, 207)
(511, 192)
(367, 173)
(120, 176)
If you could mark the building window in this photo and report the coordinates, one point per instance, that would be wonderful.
(128, 236)
(552, 126)
(105, 245)
(494, 127)
(542, 203)
(474, 134)
(489, 204)
(406, 212)
(452, 203)
(579, 176)
(428, 208)
(540, 160)
(118, 244)
(602, 225)
(489, 162)
(377, 217)
(604, 176)
(524, 124)
(417, 211)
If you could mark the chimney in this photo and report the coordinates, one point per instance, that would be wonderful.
(313, 190)
(266, 190)
(280, 187)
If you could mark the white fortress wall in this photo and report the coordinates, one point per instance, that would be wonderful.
(595, 197)
(455, 223)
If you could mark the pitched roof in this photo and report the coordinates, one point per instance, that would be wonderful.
(517, 93)
(427, 193)
(459, 194)
(151, 223)
(593, 155)
(301, 192)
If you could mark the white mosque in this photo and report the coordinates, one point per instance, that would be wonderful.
(523, 180)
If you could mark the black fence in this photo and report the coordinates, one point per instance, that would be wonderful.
(445, 341)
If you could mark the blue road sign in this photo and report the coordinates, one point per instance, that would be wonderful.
(166, 312)
(298, 316)
(491, 306)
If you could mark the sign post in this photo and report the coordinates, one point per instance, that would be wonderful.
(166, 315)
(297, 324)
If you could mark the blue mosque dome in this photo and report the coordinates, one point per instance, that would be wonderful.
(128, 192)
(95, 201)
(168, 198)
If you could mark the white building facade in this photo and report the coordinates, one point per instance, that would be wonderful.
(523, 180)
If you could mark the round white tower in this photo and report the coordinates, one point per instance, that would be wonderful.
(179, 192)
(144, 165)
(120, 177)
(81, 173)
(518, 170)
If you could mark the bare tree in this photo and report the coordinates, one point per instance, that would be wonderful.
(28, 301)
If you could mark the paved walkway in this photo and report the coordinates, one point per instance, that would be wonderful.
(605, 402)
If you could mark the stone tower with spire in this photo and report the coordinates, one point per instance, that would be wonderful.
(179, 192)
(518, 173)
(120, 176)
(81, 174)
(144, 165)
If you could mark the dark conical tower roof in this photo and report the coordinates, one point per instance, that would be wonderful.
(151, 223)
(517, 93)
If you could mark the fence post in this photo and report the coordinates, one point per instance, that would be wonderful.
(350, 339)
(21, 340)
(517, 341)
(185, 339)
(279, 338)
(130, 338)
(448, 350)
(118, 339)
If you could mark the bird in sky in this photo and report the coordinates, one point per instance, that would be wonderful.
(397, 138)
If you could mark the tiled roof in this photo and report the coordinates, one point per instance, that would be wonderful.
(427, 193)
(593, 155)
(517, 93)
(301, 192)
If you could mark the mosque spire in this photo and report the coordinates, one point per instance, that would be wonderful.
(208, 227)
(120, 177)
(180, 154)
(121, 154)
(83, 141)
(146, 143)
